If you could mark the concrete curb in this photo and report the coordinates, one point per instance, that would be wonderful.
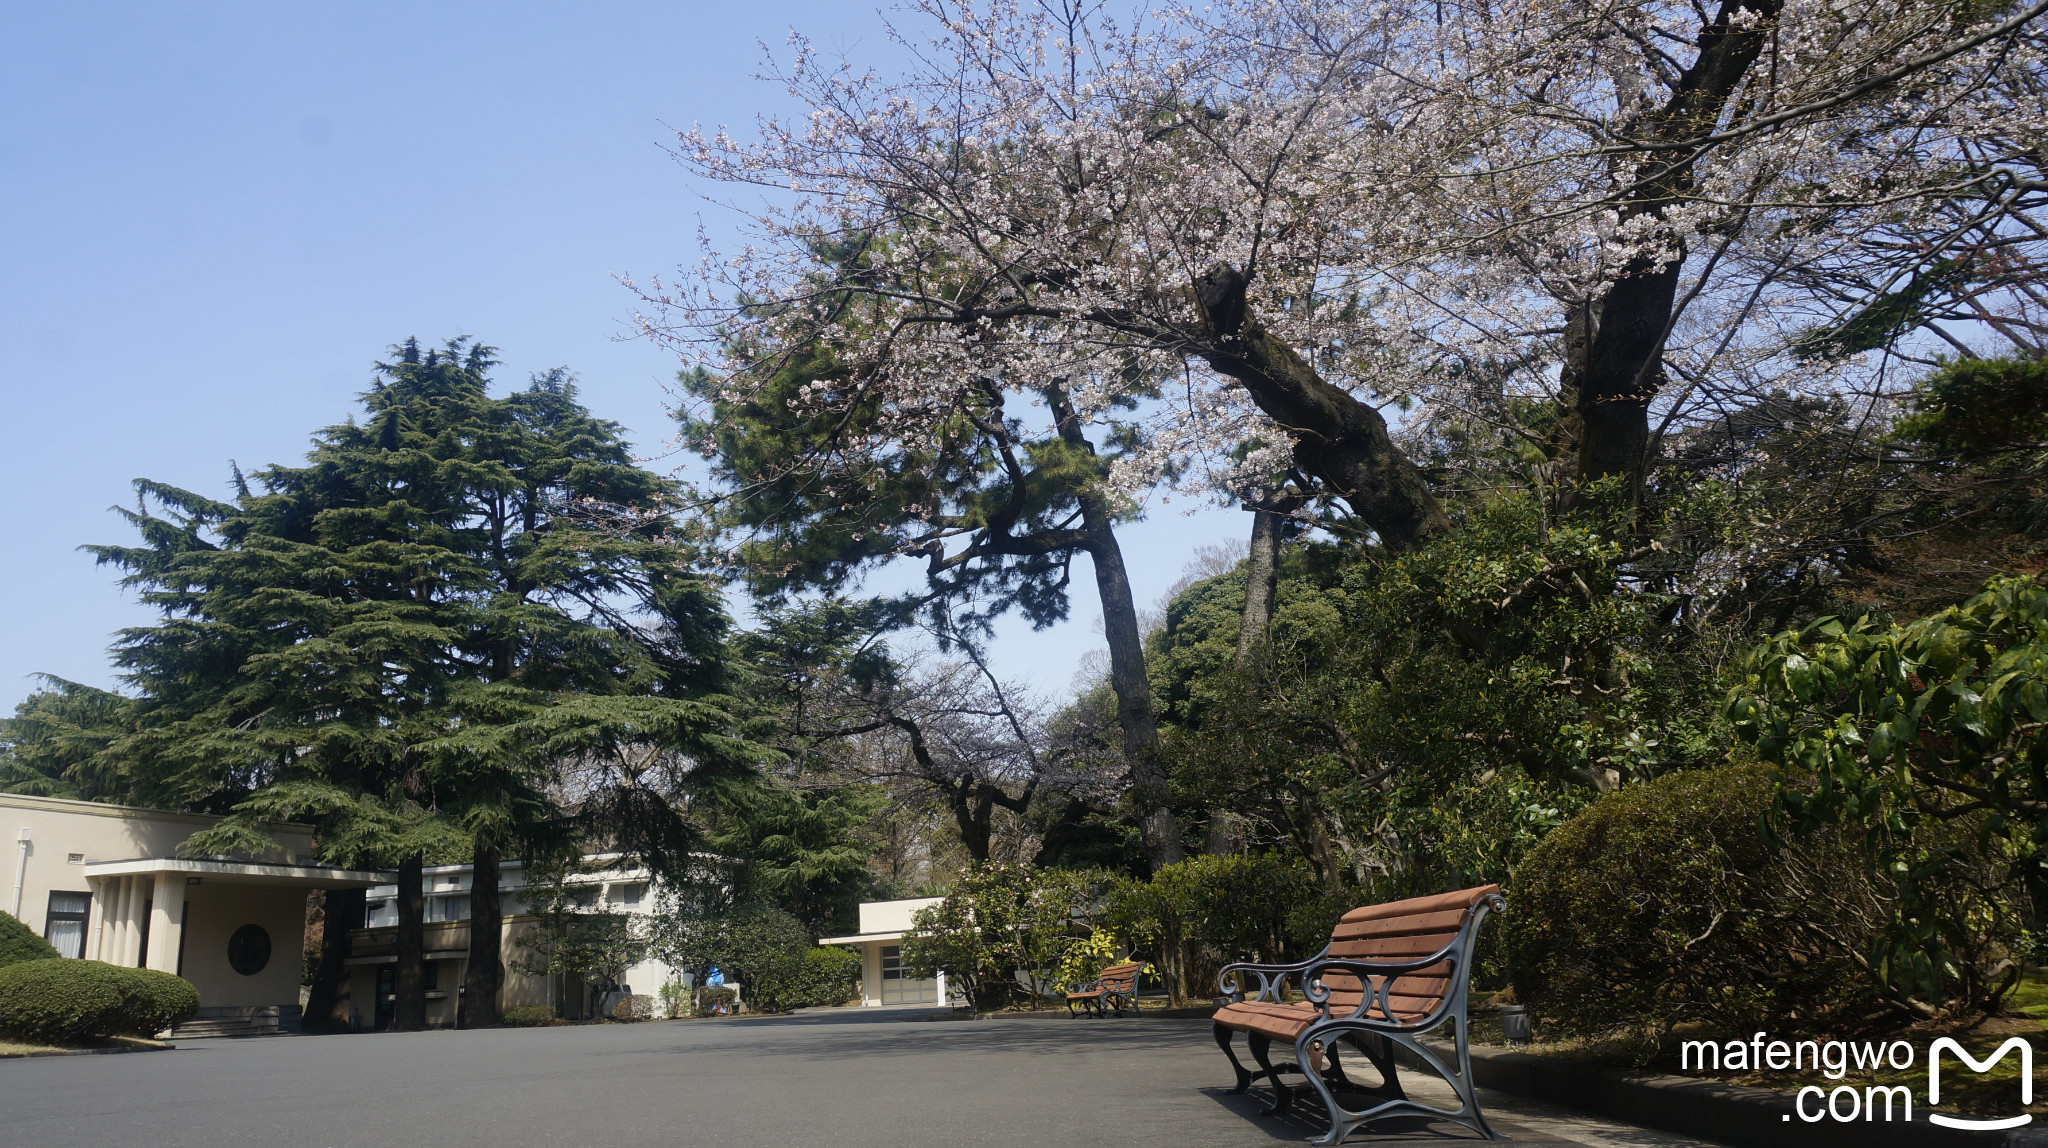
(84, 1052)
(1730, 1113)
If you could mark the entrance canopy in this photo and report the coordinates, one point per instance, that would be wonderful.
(242, 873)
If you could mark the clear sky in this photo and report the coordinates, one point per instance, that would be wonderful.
(214, 217)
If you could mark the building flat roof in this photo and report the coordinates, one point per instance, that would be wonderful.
(859, 938)
(245, 872)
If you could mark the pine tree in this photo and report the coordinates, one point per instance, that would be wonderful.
(463, 626)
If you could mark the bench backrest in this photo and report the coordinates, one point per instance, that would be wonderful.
(1399, 931)
(1121, 978)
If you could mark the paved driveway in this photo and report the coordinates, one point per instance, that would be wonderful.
(852, 1077)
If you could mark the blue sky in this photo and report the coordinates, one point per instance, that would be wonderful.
(216, 217)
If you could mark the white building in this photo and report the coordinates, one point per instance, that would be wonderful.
(884, 981)
(373, 958)
(105, 882)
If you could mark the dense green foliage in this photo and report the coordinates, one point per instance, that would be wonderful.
(1205, 912)
(1665, 903)
(767, 953)
(1003, 931)
(530, 1016)
(70, 1002)
(1931, 740)
(19, 943)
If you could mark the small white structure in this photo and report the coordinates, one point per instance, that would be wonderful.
(883, 979)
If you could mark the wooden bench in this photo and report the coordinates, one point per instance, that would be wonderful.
(1390, 974)
(1113, 984)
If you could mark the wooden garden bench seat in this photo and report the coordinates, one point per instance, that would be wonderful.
(1390, 974)
(1116, 983)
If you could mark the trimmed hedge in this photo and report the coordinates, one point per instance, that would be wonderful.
(19, 943)
(62, 1001)
(529, 1016)
(1664, 904)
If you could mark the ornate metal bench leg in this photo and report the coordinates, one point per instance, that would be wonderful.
(1244, 1078)
(1466, 1091)
(1341, 1120)
(1282, 1094)
(1335, 1071)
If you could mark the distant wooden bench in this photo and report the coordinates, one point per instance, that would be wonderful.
(1391, 973)
(1113, 984)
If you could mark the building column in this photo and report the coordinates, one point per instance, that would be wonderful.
(96, 916)
(942, 988)
(131, 922)
(166, 921)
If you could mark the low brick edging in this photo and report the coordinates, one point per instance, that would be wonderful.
(1730, 1113)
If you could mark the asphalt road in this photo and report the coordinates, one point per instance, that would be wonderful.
(852, 1078)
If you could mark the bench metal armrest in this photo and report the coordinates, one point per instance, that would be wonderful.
(1271, 977)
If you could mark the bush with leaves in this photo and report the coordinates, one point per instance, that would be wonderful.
(1003, 931)
(71, 1001)
(1930, 740)
(1208, 911)
(766, 952)
(1667, 903)
(531, 1016)
(19, 943)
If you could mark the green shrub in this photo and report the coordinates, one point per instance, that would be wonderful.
(832, 975)
(636, 1006)
(529, 1016)
(1207, 911)
(1003, 925)
(68, 1001)
(19, 943)
(157, 1001)
(1665, 904)
(766, 951)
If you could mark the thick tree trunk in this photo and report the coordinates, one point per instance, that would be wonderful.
(1126, 658)
(485, 974)
(1133, 692)
(1337, 438)
(1625, 361)
(409, 1011)
(1261, 583)
(1625, 371)
(341, 910)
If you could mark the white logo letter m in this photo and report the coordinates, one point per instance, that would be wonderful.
(1934, 1080)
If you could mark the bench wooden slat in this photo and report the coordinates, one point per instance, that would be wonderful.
(1393, 948)
(1408, 923)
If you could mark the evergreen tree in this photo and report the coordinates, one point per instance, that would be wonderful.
(461, 627)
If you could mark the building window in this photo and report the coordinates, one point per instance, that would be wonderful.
(892, 962)
(449, 909)
(249, 950)
(373, 913)
(64, 928)
(631, 895)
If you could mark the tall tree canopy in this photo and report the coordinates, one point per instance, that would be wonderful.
(463, 625)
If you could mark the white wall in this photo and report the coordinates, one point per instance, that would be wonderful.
(891, 916)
